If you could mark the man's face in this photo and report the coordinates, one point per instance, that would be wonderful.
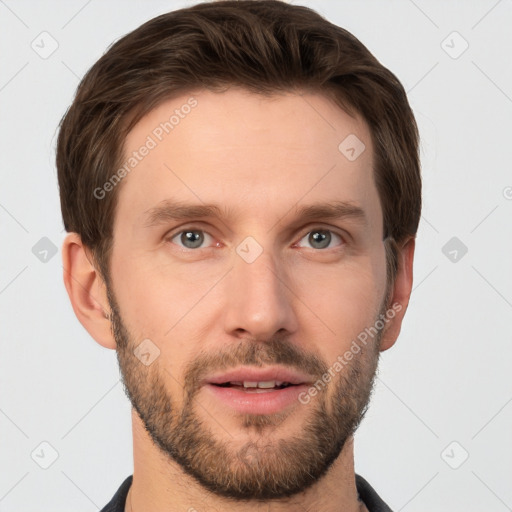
(256, 293)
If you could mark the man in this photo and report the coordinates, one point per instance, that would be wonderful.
(240, 182)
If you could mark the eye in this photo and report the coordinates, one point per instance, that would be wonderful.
(321, 238)
(190, 238)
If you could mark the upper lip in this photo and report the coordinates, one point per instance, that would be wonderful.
(252, 374)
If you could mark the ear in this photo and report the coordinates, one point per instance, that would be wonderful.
(400, 295)
(86, 290)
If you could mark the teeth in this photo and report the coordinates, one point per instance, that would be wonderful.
(263, 384)
(267, 384)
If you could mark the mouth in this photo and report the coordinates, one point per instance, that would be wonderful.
(257, 391)
(256, 387)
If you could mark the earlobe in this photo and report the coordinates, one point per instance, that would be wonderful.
(401, 294)
(86, 290)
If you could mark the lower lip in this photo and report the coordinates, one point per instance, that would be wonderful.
(261, 402)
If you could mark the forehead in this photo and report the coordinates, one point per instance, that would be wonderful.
(248, 151)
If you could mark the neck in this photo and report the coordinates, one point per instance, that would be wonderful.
(160, 485)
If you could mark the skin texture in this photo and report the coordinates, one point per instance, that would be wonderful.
(299, 304)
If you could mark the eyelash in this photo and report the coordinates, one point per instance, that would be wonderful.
(311, 230)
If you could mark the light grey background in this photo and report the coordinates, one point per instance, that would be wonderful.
(446, 380)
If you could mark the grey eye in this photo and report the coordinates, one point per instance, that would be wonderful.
(190, 238)
(321, 238)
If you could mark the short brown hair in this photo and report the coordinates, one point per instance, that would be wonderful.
(265, 46)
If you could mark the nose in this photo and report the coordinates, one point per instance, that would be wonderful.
(260, 300)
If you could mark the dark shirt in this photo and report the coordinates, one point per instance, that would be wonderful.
(366, 494)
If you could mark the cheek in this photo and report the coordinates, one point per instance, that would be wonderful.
(168, 304)
(341, 303)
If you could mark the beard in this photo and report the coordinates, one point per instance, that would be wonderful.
(264, 467)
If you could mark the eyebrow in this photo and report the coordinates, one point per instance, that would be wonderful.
(169, 211)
